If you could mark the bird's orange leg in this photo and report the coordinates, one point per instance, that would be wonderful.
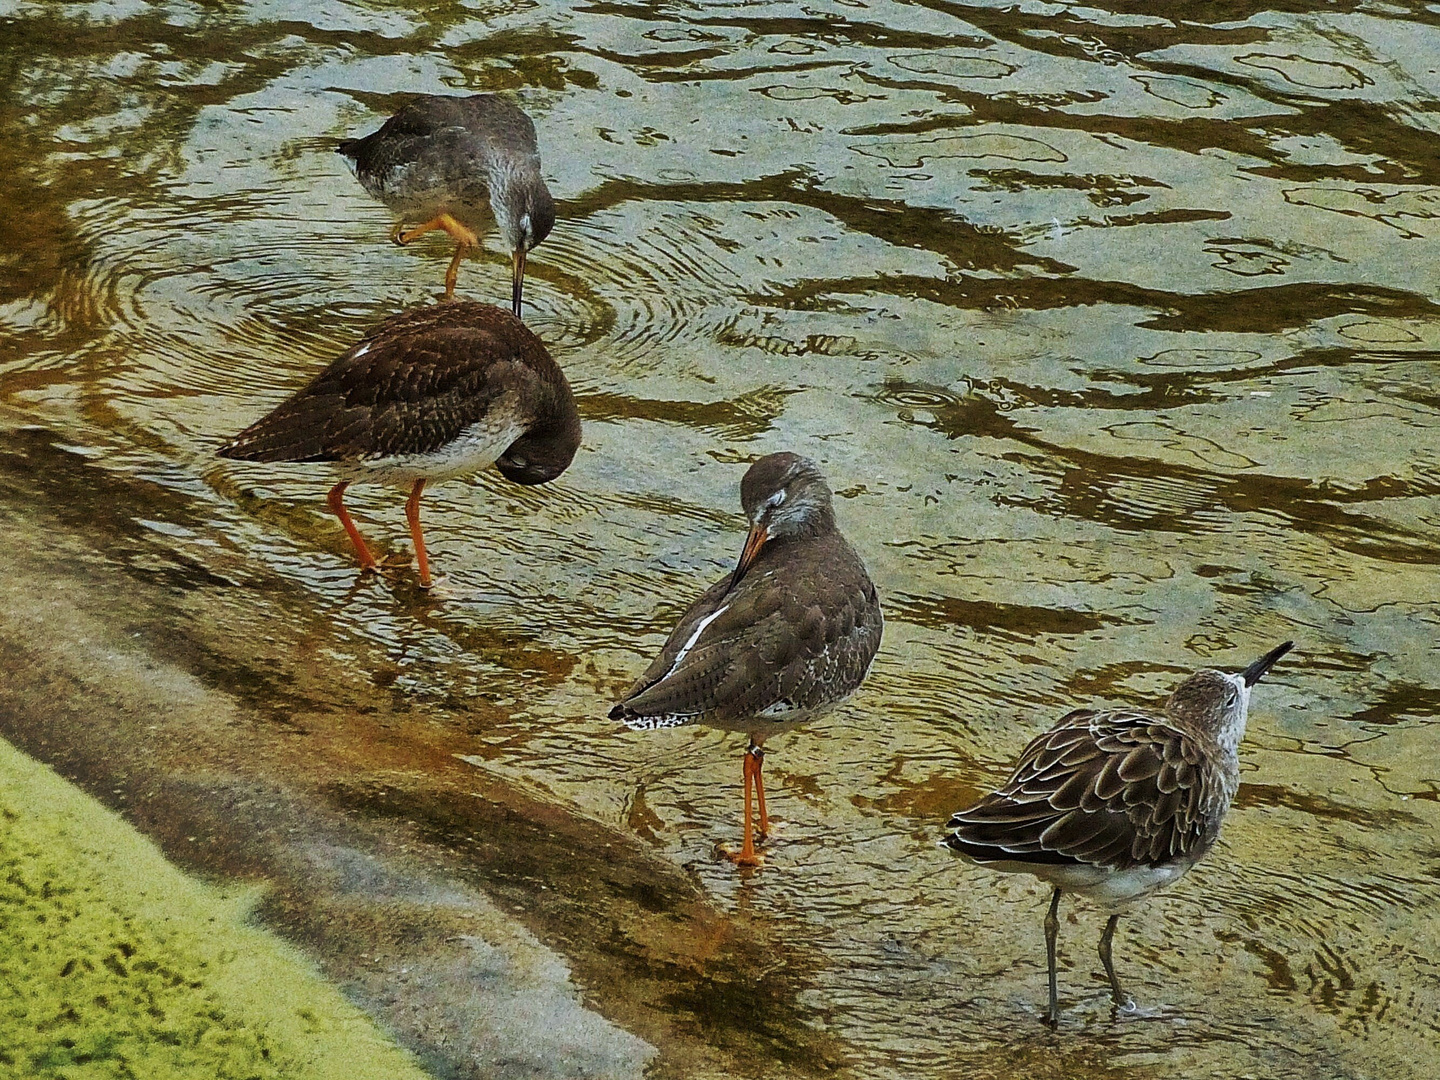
(452, 275)
(747, 855)
(412, 515)
(460, 232)
(336, 501)
(465, 239)
(759, 755)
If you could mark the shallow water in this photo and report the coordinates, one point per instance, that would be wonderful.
(1114, 334)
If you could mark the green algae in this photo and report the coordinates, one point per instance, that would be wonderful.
(115, 964)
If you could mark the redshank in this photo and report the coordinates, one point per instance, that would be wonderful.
(784, 638)
(1114, 804)
(429, 394)
(453, 163)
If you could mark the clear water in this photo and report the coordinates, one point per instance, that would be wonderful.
(1115, 333)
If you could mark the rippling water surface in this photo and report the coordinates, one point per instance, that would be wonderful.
(1114, 332)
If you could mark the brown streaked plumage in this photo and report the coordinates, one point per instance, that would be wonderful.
(1115, 804)
(429, 394)
(781, 640)
(453, 163)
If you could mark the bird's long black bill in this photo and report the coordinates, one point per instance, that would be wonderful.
(1252, 674)
(517, 279)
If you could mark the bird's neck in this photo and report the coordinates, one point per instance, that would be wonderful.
(508, 179)
(1230, 733)
(814, 520)
(811, 532)
(557, 421)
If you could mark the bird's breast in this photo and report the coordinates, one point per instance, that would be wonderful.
(1116, 889)
(419, 192)
(476, 447)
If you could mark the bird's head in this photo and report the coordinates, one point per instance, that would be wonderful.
(785, 496)
(547, 447)
(532, 461)
(1218, 701)
(524, 214)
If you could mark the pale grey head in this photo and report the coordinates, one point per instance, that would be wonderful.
(523, 207)
(524, 212)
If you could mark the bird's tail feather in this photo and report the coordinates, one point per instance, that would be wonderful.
(637, 722)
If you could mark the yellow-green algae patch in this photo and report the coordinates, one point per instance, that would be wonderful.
(115, 964)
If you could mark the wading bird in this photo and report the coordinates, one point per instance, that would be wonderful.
(453, 163)
(784, 638)
(431, 393)
(1114, 804)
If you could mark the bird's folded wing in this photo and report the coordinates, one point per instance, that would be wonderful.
(752, 652)
(395, 393)
(450, 147)
(722, 637)
(1110, 789)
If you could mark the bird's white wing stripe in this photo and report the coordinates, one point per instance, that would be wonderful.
(685, 649)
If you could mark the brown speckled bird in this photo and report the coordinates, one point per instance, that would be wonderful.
(453, 163)
(1115, 804)
(429, 394)
(784, 638)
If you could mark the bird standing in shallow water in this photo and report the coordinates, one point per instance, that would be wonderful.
(429, 394)
(1115, 804)
(784, 638)
(452, 163)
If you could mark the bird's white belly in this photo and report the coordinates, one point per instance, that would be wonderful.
(1111, 888)
(475, 448)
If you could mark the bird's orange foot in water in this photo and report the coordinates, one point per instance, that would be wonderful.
(747, 855)
(412, 515)
(336, 502)
(743, 857)
(453, 273)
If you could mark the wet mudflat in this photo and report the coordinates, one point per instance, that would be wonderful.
(1115, 333)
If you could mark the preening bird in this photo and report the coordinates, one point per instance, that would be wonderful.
(431, 393)
(780, 641)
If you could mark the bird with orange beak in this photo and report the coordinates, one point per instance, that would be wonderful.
(780, 641)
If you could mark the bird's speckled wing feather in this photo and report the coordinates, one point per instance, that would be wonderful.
(764, 652)
(410, 386)
(1114, 789)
